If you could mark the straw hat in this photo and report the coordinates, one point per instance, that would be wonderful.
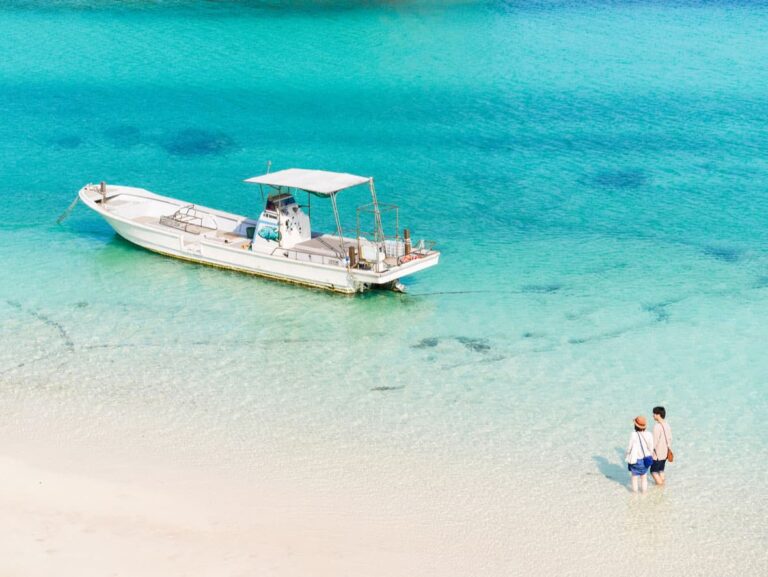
(640, 422)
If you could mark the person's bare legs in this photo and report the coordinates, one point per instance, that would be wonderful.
(644, 483)
(658, 478)
(635, 480)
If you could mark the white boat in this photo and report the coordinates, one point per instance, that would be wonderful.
(280, 243)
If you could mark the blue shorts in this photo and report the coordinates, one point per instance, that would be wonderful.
(637, 469)
(658, 466)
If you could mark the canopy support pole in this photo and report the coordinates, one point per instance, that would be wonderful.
(261, 188)
(338, 225)
(376, 213)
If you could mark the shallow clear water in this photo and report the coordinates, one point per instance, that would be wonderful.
(595, 174)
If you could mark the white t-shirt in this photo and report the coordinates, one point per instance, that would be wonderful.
(638, 449)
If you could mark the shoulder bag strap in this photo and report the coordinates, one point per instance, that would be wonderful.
(642, 448)
(664, 430)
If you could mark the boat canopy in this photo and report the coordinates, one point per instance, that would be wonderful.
(319, 182)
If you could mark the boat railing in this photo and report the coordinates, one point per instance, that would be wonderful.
(424, 246)
(396, 252)
(418, 250)
(188, 219)
(374, 221)
(395, 246)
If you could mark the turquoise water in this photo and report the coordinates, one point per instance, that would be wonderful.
(594, 173)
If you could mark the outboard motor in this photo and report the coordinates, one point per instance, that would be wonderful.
(283, 221)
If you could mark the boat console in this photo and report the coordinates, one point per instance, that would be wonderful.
(283, 221)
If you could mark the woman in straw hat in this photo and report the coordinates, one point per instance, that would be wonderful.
(639, 455)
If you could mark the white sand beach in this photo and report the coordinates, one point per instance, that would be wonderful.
(71, 516)
(83, 513)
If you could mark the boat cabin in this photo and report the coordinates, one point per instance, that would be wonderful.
(283, 221)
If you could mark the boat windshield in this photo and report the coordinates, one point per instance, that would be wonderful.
(280, 200)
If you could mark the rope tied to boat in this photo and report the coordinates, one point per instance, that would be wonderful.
(67, 212)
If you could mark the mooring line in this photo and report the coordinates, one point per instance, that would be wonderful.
(70, 208)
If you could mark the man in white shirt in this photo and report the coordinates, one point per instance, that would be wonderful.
(662, 442)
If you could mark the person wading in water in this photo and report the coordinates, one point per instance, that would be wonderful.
(639, 455)
(662, 443)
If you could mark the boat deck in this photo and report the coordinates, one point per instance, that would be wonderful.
(207, 232)
(326, 245)
(321, 244)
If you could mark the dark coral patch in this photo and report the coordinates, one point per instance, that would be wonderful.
(69, 142)
(723, 253)
(542, 288)
(476, 345)
(427, 343)
(761, 282)
(532, 335)
(624, 179)
(123, 135)
(196, 142)
(658, 310)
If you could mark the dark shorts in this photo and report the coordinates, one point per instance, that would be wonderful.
(658, 466)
